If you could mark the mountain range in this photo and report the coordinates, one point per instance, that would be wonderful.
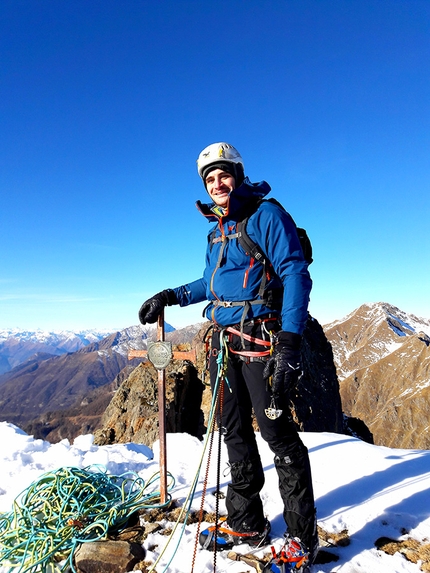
(16, 345)
(61, 383)
(50, 387)
(382, 357)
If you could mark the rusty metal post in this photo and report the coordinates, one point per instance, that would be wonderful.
(162, 416)
(160, 354)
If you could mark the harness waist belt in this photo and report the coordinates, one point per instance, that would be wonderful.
(259, 341)
(230, 303)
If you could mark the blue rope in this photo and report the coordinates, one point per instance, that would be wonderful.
(222, 361)
(67, 507)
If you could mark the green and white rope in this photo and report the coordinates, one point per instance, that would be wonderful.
(66, 507)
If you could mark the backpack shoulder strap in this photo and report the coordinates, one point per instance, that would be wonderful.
(252, 248)
(245, 241)
(247, 244)
(211, 237)
(256, 252)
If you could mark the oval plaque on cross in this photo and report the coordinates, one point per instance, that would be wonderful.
(160, 354)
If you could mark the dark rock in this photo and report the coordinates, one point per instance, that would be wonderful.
(357, 428)
(316, 404)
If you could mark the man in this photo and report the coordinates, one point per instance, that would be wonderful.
(261, 311)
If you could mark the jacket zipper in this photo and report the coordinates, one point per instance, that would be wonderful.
(217, 265)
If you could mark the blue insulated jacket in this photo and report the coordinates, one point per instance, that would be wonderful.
(232, 276)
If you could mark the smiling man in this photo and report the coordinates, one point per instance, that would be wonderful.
(258, 309)
(219, 185)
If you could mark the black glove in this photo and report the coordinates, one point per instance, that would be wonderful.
(284, 365)
(153, 307)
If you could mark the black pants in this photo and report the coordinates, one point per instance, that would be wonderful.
(246, 390)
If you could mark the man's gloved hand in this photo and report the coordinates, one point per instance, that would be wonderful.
(284, 365)
(153, 307)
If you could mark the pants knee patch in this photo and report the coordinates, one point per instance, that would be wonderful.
(243, 503)
(247, 475)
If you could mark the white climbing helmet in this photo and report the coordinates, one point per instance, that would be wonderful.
(218, 153)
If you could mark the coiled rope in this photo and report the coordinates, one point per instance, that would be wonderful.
(66, 507)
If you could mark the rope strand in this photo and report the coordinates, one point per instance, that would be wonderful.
(67, 507)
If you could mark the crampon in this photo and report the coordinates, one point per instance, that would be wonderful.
(292, 558)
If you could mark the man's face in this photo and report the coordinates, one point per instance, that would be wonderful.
(219, 184)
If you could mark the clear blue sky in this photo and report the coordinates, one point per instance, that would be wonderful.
(105, 105)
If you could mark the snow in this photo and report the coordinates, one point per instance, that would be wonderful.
(372, 491)
(53, 337)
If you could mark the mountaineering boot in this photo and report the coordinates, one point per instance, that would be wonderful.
(293, 557)
(226, 538)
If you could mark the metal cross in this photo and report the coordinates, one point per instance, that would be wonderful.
(160, 354)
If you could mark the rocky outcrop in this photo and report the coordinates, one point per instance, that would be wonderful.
(132, 415)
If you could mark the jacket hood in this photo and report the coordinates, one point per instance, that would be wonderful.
(239, 200)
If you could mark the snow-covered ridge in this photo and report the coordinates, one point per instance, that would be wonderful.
(131, 338)
(54, 338)
(85, 337)
(17, 345)
(398, 320)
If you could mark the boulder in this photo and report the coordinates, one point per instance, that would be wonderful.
(108, 556)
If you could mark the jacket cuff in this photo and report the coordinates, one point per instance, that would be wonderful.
(171, 297)
(290, 339)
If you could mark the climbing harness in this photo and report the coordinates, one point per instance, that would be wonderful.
(251, 355)
(65, 508)
(272, 412)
